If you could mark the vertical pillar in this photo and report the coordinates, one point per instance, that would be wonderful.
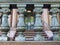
(58, 16)
(14, 17)
(49, 20)
(0, 20)
(45, 15)
(10, 20)
(54, 20)
(45, 22)
(20, 23)
(5, 25)
(38, 23)
(12, 32)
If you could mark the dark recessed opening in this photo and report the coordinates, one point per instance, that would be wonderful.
(29, 7)
(47, 6)
(13, 6)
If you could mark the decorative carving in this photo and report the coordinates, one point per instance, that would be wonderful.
(5, 18)
(20, 23)
(54, 10)
(20, 37)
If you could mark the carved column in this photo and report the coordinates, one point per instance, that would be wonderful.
(38, 23)
(12, 32)
(14, 17)
(20, 22)
(54, 19)
(45, 22)
(5, 25)
(45, 15)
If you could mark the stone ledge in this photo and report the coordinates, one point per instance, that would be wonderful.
(30, 43)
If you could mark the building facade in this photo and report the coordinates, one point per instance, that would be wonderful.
(30, 20)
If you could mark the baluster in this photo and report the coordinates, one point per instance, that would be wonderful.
(20, 37)
(54, 21)
(3, 37)
(20, 23)
(38, 23)
(5, 24)
(38, 37)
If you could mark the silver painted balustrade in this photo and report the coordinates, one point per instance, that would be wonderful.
(3, 37)
(54, 22)
(56, 37)
(5, 24)
(38, 37)
(38, 23)
(20, 37)
(20, 23)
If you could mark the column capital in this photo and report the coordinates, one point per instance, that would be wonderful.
(38, 10)
(5, 10)
(21, 10)
(54, 10)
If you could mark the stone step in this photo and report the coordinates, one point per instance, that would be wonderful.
(29, 36)
(29, 33)
(44, 35)
(29, 39)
